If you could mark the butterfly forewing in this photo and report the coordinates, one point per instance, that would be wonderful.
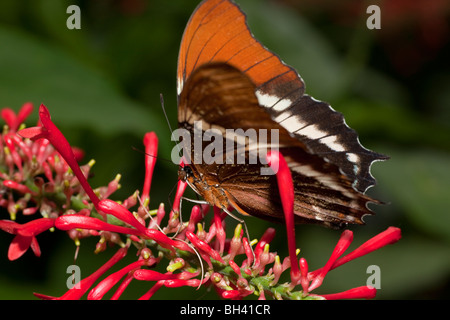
(228, 80)
(217, 32)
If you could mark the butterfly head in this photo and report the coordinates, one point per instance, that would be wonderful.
(185, 173)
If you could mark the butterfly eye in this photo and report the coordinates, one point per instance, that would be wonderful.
(185, 172)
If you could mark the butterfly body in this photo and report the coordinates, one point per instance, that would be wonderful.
(207, 186)
(228, 81)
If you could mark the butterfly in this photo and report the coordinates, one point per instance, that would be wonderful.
(226, 79)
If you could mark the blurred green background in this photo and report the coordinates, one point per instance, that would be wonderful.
(102, 85)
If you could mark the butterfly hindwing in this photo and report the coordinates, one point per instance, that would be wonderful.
(221, 97)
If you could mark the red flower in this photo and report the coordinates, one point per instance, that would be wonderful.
(204, 246)
(105, 285)
(50, 132)
(25, 235)
(17, 186)
(150, 275)
(14, 121)
(286, 186)
(344, 242)
(151, 150)
(233, 268)
(364, 292)
(78, 290)
(76, 221)
(389, 236)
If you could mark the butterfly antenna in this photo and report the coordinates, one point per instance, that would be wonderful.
(150, 155)
(161, 99)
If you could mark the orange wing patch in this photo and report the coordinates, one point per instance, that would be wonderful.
(218, 32)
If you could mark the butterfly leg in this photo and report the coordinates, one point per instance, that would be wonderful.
(192, 201)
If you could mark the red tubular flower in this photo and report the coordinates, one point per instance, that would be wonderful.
(364, 292)
(181, 187)
(83, 286)
(389, 236)
(165, 241)
(151, 150)
(19, 245)
(231, 294)
(22, 146)
(12, 150)
(196, 216)
(14, 121)
(77, 221)
(261, 295)
(17, 186)
(184, 279)
(120, 212)
(9, 226)
(304, 275)
(42, 147)
(342, 245)
(286, 187)
(50, 132)
(123, 285)
(112, 187)
(10, 118)
(106, 284)
(204, 246)
(35, 227)
(25, 235)
(235, 267)
(160, 213)
(152, 291)
(266, 238)
(265, 258)
(220, 231)
(248, 251)
(179, 281)
(236, 242)
(29, 211)
(277, 269)
(175, 283)
(150, 275)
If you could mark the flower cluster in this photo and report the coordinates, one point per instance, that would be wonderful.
(41, 179)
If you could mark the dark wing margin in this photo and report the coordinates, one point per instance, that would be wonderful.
(223, 97)
(325, 133)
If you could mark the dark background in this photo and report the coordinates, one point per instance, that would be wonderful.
(102, 85)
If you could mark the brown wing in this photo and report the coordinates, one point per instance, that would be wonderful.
(217, 32)
(222, 97)
(322, 194)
